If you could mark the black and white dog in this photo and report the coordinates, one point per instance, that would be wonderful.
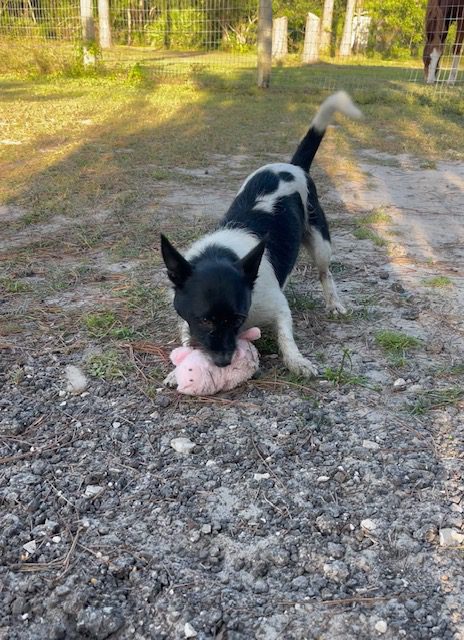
(234, 277)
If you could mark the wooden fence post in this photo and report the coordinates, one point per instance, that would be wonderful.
(311, 41)
(280, 37)
(88, 32)
(104, 24)
(264, 43)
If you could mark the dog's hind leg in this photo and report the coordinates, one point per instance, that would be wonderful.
(321, 252)
(291, 355)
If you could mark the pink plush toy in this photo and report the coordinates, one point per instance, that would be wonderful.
(196, 375)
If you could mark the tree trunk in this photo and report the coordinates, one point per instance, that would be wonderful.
(264, 43)
(311, 41)
(326, 26)
(104, 24)
(345, 46)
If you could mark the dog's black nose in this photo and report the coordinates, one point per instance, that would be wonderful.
(222, 359)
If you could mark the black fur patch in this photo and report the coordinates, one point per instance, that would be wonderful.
(286, 176)
(316, 215)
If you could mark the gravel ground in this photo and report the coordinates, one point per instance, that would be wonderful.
(329, 510)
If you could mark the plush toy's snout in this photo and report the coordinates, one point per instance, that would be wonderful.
(197, 375)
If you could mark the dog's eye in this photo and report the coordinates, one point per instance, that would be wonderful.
(206, 322)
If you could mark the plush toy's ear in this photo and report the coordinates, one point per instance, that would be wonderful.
(179, 269)
(250, 263)
(179, 354)
(251, 334)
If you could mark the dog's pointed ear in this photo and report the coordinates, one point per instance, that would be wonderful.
(179, 269)
(250, 263)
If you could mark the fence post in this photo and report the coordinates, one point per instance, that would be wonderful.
(264, 43)
(280, 37)
(88, 32)
(311, 41)
(104, 24)
(345, 45)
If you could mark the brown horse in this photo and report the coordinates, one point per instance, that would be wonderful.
(439, 17)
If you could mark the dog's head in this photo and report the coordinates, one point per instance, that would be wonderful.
(213, 296)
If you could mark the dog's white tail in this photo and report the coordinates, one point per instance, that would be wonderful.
(339, 101)
(308, 147)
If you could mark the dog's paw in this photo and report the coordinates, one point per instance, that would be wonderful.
(303, 367)
(170, 380)
(336, 308)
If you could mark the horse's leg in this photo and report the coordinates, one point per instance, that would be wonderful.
(433, 66)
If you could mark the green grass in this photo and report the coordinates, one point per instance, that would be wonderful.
(438, 282)
(377, 216)
(103, 324)
(397, 345)
(109, 365)
(362, 233)
(11, 285)
(436, 399)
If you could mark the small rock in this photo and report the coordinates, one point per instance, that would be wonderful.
(77, 381)
(92, 490)
(261, 476)
(399, 384)
(30, 546)
(397, 287)
(336, 571)
(370, 444)
(56, 539)
(260, 586)
(206, 528)
(323, 479)
(368, 525)
(448, 538)
(189, 631)
(381, 626)
(182, 445)
(163, 401)
(116, 424)
(384, 275)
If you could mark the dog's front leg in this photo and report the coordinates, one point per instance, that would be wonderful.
(291, 355)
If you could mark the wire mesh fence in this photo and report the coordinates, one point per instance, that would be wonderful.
(408, 36)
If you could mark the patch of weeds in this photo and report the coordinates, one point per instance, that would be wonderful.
(104, 324)
(267, 345)
(337, 267)
(397, 345)
(438, 282)
(14, 286)
(302, 302)
(376, 216)
(160, 174)
(100, 324)
(343, 375)
(453, 370)
(16, 375)
(435, 399)
(427, 164)
(361, 233)
(109, 365)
